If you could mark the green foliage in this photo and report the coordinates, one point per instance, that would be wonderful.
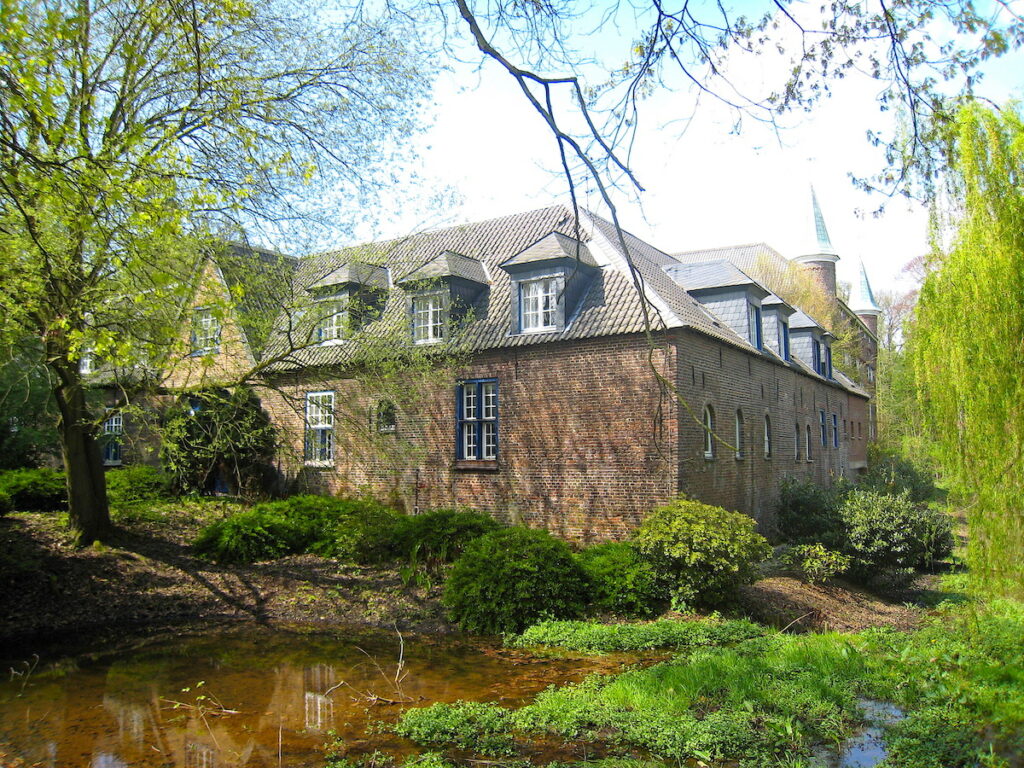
(217, 433)
(137, 483)
(620, 581)
(884, 533)
(935, 737)
(965, 341)
(510, 578)
(5, 504)
(351, 530)
(890, 473)
(807, 512)
(465, 724)
(701, 552)
(815, 564)
(593, 637)
(441, 535)
(27, 436)
(35, 490)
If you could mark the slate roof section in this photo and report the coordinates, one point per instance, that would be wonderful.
(609, 305)
(820, 230)
(551, 247)
(449, 264)
(711, 274)
(352, 272)
(751, 257)
(862, 298)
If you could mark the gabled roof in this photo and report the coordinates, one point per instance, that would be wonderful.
(551, 247)
(448, 264)
(352, 273)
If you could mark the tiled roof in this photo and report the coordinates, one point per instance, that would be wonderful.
(751, 257)
(550, 247)
(709, 274)
(448, 264)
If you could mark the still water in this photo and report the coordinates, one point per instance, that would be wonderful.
(254, 697)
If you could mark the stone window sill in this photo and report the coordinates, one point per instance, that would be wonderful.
(476, 465)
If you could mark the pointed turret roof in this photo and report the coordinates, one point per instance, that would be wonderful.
(820, 230)
(862, 298)
(815, 243)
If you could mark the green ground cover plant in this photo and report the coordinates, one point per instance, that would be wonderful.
(621, 582)
(814, 563)
(352, 530)
(441, 535)
(135, 484)
(701, 553)
(593, 637)
(35, 490)
(510, 578)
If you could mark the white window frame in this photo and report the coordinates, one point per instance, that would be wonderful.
(767, 436)
(740, 436)
(113, 429)
(429, 311)
(709, 432)
(319, 432)
(477, 420)
(332, 321)
(538, 304)
(808, 454)
(206, 330)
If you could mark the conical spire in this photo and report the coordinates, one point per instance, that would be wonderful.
(820, 230)
(862, 298)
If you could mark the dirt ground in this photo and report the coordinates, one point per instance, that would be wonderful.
(149, 580)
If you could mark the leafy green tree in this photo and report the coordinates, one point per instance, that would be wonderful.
(26, 409)
(967, 341)
(129, 129)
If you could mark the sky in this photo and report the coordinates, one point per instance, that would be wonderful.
(706, 183)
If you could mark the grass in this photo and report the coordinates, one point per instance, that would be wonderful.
(767, 699)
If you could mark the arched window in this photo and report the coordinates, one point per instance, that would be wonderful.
(709, 430)
(739, 434)
(796, 442)
(386, 417)
(807, 445)
(767, 436)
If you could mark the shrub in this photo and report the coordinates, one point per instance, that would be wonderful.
(701, 552)
(130, 485)
(808, 513)
(5, 504)
(620, 581)
(511, 578)
(35, 490)
(441, 535)
(892, 474)
(353, 530)
(884, 532)
(814, 564)
(937, 530)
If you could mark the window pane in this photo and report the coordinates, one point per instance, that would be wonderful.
(490, 395)
(469, 447)
(490, 439)
(469, 401)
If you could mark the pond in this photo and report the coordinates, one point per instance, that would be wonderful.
(255, 696)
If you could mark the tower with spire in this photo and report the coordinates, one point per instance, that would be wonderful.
(862, 300)
(820, 256)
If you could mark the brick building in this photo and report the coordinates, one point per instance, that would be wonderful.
(545, 369)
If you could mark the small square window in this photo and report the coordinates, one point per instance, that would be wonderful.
(205, 331)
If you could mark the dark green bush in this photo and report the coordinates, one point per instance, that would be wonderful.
(809, 513)
(441, 535)
(814, 563)
(620, 581)
(890, 473)
(937, 530)
(5, 504)
(352, 530)
(511, 578)
(35, 490)
(702, 553)
(884, 532)
(130, 485)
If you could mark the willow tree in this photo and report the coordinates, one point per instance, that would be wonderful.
(130, 128)
(968, 338)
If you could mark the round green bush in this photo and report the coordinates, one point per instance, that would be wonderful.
(814, 563)
(137, 483)
(511, 578)
(35, 490)
(809, 513)
(700, 552)
(884, 532)
(441, 535)
(620, 581)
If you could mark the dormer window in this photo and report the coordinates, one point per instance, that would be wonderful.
(332, 322)
(429, 317)
(754, 326)
(539, 304)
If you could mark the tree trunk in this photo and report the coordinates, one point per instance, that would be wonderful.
(87, 486)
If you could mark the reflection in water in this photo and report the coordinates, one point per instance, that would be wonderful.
(267, 698)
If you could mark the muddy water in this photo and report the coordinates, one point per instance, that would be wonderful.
(255, 697)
